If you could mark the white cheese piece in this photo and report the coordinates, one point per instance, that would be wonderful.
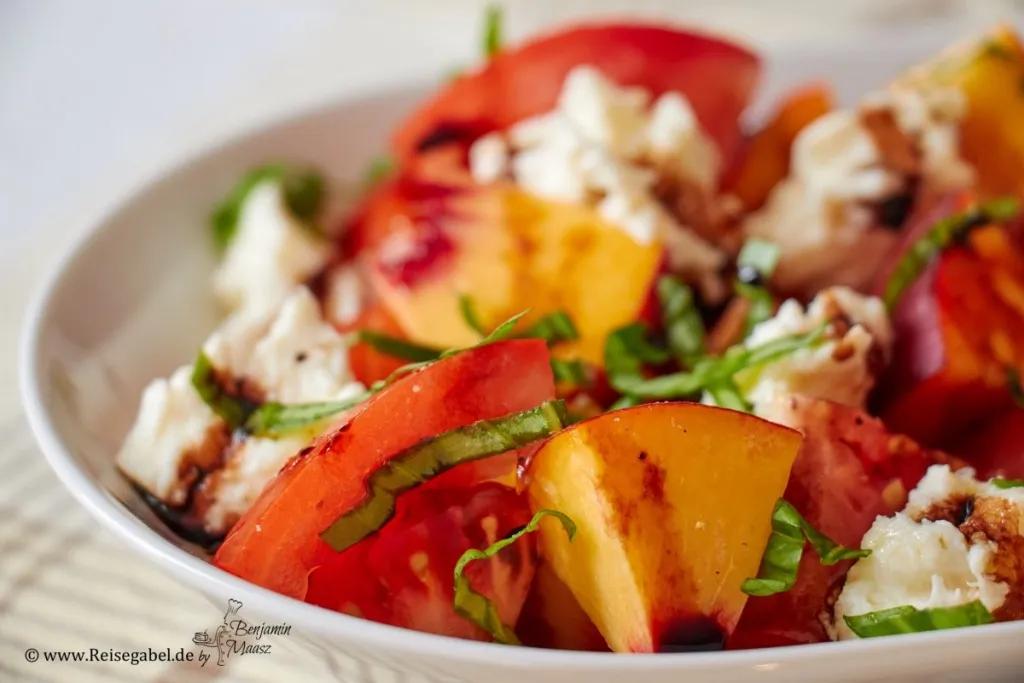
(926, 563)
(488, 158)
(605, 147)
(839, 369)
(820, 215)
(291, 357)
(343, 300)
(922, 564)
(250, 466)
(270, 253)
(173, 430)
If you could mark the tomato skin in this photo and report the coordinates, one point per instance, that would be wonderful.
(850, 470)
(276, 543)
(716, 76)
(402, 575)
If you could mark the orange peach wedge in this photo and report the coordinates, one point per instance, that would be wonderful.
(673, 504)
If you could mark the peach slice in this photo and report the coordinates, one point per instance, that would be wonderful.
(510, 251)
(673, 504)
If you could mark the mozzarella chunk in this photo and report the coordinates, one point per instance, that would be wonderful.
(919, 557)
(250, 466)
(270, 253)
(603, 145)
(821, 216)
(173, 432)
(293, 357)
(842, 369)
(922, 564)
(290, 357)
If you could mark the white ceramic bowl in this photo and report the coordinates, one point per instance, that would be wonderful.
(130, 301)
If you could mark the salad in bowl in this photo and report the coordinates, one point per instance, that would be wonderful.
(591, 364)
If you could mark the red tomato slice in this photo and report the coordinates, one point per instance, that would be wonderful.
(403, 574)
(717, 77)
(276, 543)
(849, 470)
(996, 449)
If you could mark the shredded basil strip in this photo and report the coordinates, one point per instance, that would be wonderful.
(433, 456)
(727, 395)
(493, 38)
(569, 371)
(477, 607)
(274, 419)
(711, 371)
(908, 619)
(302, 189)
(761, 257)
(1003, 483)
(626, 351)
(684, 328)
(469, 314)
(398, 348)
(553, 328)
(781, 559)
(940, 236)
(231, 408)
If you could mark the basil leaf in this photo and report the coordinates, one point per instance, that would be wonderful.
(1002, 483)
(278, 419)
(398, 348)
(755, 264)
(553, 328)
(713, 371)
(425, 460)
(626, 351)
(727, 395)
(781, 559)
(907, 619)
(477, 607)
(468, 311)
(232, 408)
(492, 40)
(302, 190)
(760, 301)
(569, 371)
(940, 236)
(684, 328)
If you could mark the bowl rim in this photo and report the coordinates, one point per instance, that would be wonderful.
(364, 633)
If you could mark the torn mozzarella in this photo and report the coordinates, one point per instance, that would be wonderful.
(604, 146)
(822, 216)
(173, 432)
(939, 551)
(842, 369)
(270, 253)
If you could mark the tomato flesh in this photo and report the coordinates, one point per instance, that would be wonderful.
(403, 574)
(277, 542)
(716, 76)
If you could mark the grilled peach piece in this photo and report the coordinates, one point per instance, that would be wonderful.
(673, 504)
(510, 252)
(989, 72)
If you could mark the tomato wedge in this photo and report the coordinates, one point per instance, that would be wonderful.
(717, 77)
(276, 543)
(850, 469)
(403, 574)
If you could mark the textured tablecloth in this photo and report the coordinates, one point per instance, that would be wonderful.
(65, 584)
